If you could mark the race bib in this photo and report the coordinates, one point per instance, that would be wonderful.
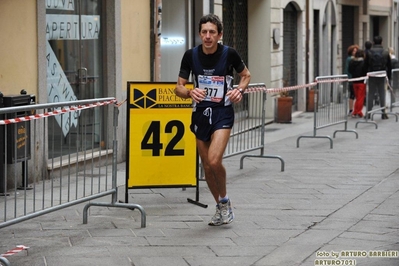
(213, 86)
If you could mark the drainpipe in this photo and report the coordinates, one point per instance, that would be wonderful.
(307, 105)
(158, 31)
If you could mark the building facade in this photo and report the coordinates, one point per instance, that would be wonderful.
(97, 46)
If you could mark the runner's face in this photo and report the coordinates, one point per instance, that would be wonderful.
(210, 36)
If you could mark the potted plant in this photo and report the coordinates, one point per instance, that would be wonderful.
(283, 108)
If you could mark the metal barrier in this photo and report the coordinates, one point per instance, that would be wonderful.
(4, 261)
(331, 100)
(82, 175)
(394, 90)
(376, 94)
(248, 133)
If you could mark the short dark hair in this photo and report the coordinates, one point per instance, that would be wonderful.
(377, 39)
(368, 44)
(212, 18)
(359, 53)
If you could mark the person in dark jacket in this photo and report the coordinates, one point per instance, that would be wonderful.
(357, 70)
(377, 59)
(367, 46)
(351, 53)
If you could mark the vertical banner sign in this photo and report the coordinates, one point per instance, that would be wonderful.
(161, 148)
(72, 28)
(59, 90)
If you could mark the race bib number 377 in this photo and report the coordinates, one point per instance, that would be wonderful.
(213, 86)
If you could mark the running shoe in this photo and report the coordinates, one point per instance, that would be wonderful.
(226, 212)
(217, 218)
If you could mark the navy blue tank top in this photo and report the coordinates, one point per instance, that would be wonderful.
(214, 80)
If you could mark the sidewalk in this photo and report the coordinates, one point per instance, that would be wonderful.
(328, 202)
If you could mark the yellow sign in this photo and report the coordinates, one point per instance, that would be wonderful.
(161, 147)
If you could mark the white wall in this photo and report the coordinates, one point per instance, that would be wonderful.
(262, 61)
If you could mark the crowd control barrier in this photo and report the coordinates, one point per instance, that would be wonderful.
(248, 133)
(394, 89)
(331, 100)
(377, 98)
(79, 175)
(5, 261)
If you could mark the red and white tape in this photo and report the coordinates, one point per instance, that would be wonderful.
(255, 88)
(54, 113)
(291, 88)
(277, 90)
(15, 250)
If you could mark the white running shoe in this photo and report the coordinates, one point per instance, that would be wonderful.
(226, 212)
(217, 218)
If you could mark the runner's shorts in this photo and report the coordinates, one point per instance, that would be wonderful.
(205, 121)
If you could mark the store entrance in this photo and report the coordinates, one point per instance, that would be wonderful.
(74, 72)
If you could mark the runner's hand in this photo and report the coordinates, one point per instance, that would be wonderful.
(234, 95)
(198, 95)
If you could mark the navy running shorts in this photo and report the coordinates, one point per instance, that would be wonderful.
(205, 121)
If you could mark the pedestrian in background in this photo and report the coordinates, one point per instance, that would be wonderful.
(377, 59)
(357, 70)
(351, 53)
(212, 119)
(367, 46)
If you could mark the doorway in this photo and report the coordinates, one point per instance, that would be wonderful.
(290, 50)
(348, 31)
(74, 72)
